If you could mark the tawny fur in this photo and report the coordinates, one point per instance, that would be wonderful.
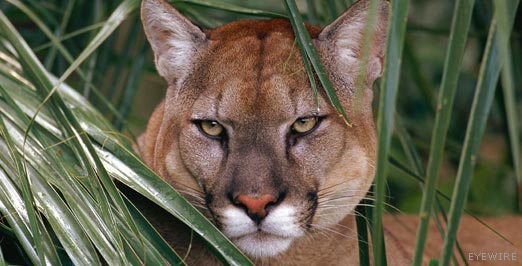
(249, 76)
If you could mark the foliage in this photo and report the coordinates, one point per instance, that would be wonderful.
(59, 154)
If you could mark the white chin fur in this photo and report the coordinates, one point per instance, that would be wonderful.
(262, 245)
(273, 236)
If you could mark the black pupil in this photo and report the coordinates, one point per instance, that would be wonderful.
(304, 120)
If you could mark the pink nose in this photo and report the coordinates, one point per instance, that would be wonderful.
(256, 207)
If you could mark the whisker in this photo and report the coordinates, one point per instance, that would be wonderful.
(327, 207)
(331, 230)
(194, 190)
(339, 197)
(330, 206)
(334, 185)
(346, 193)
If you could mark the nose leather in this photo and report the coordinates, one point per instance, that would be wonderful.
(256, 207)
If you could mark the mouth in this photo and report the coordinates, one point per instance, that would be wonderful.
(269, 238)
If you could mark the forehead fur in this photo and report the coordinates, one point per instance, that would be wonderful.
(259, 28)
(265, 80)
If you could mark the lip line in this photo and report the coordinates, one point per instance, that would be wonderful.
(261, 233)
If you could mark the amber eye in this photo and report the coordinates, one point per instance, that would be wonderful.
(211, 128)
(304, 124)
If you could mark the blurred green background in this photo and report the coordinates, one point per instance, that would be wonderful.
(119, 78)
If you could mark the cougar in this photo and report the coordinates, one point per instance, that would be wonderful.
(242, 136)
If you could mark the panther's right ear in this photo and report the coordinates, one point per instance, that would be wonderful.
(173, 38)
(343, 39)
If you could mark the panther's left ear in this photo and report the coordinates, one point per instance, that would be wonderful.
(341, 41)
